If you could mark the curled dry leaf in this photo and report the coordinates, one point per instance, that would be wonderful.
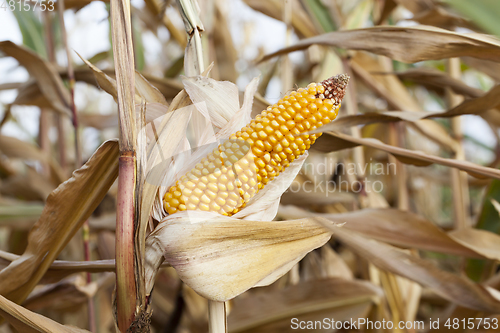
(30, 94)
(67, 293)
(220, 97)
(409, 230)
(167, 87)
(481, 241)
(47, 78)
(98, 121)
(337, 141)
(479, 104)
(488, 67)
(25, 320)
(268, 310)
(438, 80)
(442, 18)
(67, 207)
(15, 148)
(143, 88)
(19, 215)
(301, 21)
(29, 185)
(406, 44)
(209, 251)
(454, 288)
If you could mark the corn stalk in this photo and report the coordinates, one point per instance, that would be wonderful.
(125, 211)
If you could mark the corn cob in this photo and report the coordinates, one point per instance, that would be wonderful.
(236, 170)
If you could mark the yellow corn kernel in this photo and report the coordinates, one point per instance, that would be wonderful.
(226, 179)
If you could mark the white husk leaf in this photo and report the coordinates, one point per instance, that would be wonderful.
(210, 252)
(221, 97)
(243, 116)
(203, 115)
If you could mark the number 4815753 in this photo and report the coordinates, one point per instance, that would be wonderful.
(472, 323)
(26, 5)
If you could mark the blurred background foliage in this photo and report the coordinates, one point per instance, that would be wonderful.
(35, 140)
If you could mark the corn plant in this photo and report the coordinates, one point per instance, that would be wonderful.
(234, 187)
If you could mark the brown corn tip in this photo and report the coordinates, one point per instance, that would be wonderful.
(226, 179)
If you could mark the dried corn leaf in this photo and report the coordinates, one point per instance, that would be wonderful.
(15, 148)
(148, 91)
(48, 80)
(442, 18)
(168, 87)
(24, 320)
(397, 96)
(104, 81)
(143, 88)
(488, 67)
(29, 185)
(271, 310)
(60, 269)
(406, 44)
(416, 6)
(98, 121)
(30, 94)
(456, 289)
(67, 293)
(480, 241)
(301, 21)
(337, 141)
(438, 81)
(409, 230)
(19, 215)
(478, 105)
(66, 209)
(225, 52)
(209, 251)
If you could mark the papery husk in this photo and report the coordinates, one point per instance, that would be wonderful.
(217, 112)
(221, 257)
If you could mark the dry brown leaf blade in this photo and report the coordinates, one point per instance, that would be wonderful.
(66, 209)
(481, 241)
(143, 88)
(148, 91)
(477, 105)
(15, 148)
(47, 77)
(338, 141)
(265, 307)
(395, 227)
(274, 8)
(438, 80)
(406, 44)
(104, 81)
(27, 321)
(454, 288)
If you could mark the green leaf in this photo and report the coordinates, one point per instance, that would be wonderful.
(32, 31)
(138, 47)
(483, 13)
(318, 11)
(488, 220)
